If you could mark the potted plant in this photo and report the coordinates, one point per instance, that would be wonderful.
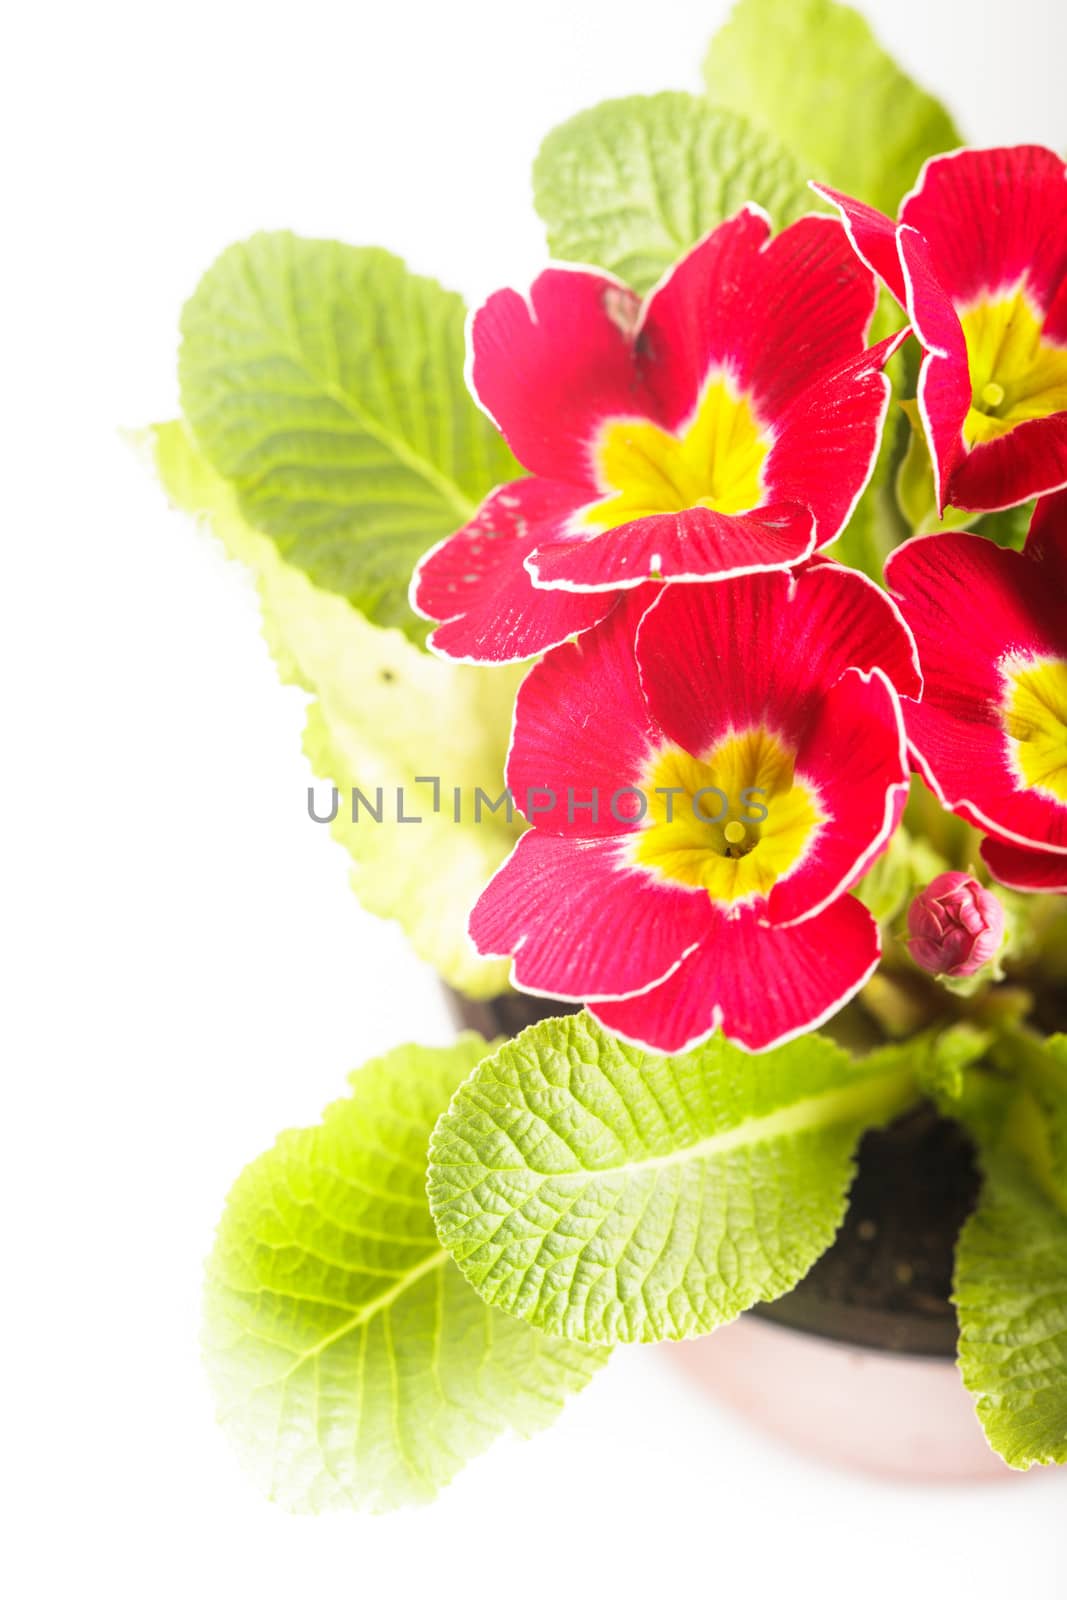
(686, 645)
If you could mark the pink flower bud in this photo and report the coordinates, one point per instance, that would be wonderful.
(956, 926)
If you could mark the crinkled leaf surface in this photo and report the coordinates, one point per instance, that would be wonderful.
(1011, 1281)
(813, 74)
(384, 713)
(352, 1364)
(631, 184)
(325, 382)
(607, 1194)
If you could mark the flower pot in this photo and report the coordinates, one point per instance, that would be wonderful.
(856, 1365)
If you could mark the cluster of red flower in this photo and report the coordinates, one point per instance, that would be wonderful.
(690, 457)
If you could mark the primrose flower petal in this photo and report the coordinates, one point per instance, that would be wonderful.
(586, 731)
(473, 585)
(873, 235)
(774, 311)
(833, 732)
(761, 985)
(582, 921)
(990, 734)
(981, 263)
(706, 773)
(670, 546)
(1028, 871)
(993, 218)
(727, 424)
(956, 926)
(784, 639)
(550, 367)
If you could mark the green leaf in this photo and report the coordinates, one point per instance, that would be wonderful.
(876, 526)
(1050, 1090)
(351, 1363)
(1008, 528)
(606, 1194)
(909, 863)
(384, 714)
(326, 384)
(886, 889)
(813, 74)
(631, 184)
(917, 492)
(1041, 1063)
(944, 1056)
(1011, 1287)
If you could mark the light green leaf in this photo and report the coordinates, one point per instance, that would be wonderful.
(909, 863)
(886, 889)
(1051, 1095)
(631, 184)
(1011, 1289)
(326, 384)
(607, 1194)
(813, 74)
(876, 526)
(1041, 1063)
(917, 494)
(352, 1364)
(916, 489)
(1008, 528)
(384, 714)
(944, 1056)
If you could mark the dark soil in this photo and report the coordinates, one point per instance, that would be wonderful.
(886, 1279)
(885, 1282)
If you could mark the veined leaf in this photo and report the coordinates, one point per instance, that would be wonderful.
(1011, 1282)
(813, 74)
(325, 383)
(606, 1194)
(352, 1364)
(631, 184)
(384, 714)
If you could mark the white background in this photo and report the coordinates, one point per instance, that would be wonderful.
(186, 969)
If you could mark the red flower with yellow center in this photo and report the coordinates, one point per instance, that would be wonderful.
(980, 260)
(727, 424)
(990, 735)
(707, 773)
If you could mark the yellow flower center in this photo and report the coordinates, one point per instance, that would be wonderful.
(1034, 714)
(733, 823)
(1016, 373)
(716, 460)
